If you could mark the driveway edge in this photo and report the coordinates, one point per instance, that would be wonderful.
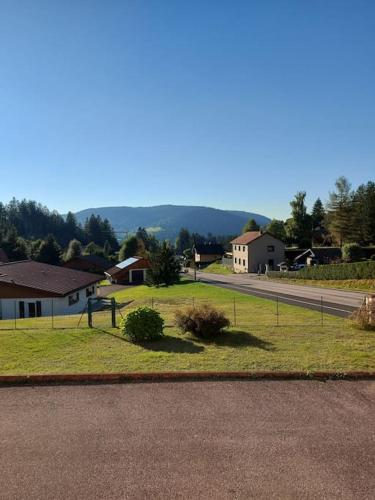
(118, 378)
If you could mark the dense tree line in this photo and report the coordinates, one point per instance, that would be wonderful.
(30, 230)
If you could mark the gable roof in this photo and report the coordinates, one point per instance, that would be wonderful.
(250, 236)
(95, 260)
(3, 256)
(125, 264)
(209, 249)
(59, 281)
(246, 238)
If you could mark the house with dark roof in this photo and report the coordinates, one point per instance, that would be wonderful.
(256, 251)
(89, 264)
(31, 289)
(206, 253)
(129, 272)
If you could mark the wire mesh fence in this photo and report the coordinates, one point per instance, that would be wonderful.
(240, 311)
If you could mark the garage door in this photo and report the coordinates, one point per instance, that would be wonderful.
(137, 276)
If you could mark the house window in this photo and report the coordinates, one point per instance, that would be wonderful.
(73, 299)
(38, 308)
(235, 260)
(243, 262)
(243, 248)
(270, 248)
(21, 306)
(235, 247)
(89, 291)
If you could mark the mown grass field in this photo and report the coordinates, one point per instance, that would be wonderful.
(253, 343)
(367, 286)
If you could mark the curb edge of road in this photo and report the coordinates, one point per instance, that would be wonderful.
(118, 378)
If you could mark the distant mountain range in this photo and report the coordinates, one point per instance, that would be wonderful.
(165, 221)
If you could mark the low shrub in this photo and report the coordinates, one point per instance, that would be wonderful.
(142, 324)
(204, 321)
(361, 319)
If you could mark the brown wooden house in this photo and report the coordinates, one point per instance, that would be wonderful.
(131, 271)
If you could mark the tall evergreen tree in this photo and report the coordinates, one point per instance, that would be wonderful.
(251, 225)
(318, 214)
(49, 251)
(165, 269)
(183, 241)
(129, 248)
(340, 212)
(277, 229)
(298, 227)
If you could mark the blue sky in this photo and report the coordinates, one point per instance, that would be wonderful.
(231, 104)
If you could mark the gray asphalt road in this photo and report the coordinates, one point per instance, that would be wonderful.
(336, 302)
(212, 440)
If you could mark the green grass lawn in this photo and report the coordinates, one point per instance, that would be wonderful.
(367, 286)
(254, 343)
(217, 268)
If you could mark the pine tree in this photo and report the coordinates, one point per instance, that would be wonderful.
(340, 212)
(183, 241)
(165, 269)
(318, 214)
(251, 225)
(129, 248)
(298, 227)
(277, 229)
(49, 251)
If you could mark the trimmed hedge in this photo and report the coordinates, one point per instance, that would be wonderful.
(348, 271)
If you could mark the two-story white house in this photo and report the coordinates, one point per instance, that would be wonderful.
(255, 251)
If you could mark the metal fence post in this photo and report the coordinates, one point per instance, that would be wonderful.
(89, 313)
(113, 311)
(234, 311)
(193, 299)
(52, 313)
(15, 315)
(277, 310)
(321, 310)
(152, 302)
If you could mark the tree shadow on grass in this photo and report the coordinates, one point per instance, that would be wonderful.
(238, 339)
(172, 344)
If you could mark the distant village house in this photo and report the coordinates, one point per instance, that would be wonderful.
(255, 251)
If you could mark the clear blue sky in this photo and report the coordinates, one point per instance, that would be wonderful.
(231, 104)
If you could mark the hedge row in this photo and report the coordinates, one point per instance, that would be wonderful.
(352, 271)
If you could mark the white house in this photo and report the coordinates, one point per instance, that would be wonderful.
(255, 251)
(31, 289)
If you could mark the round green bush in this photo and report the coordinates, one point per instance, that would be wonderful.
(143, 324)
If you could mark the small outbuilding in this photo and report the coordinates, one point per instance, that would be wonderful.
(129, 272)
(31, 289)
(207, 253)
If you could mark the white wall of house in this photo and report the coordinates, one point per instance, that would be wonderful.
(9, 308)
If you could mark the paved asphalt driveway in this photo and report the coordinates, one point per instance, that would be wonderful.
(191, 440)
(336, 302)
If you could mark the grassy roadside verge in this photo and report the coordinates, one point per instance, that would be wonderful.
(216, 268)
(254, 344)
(367, 286)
